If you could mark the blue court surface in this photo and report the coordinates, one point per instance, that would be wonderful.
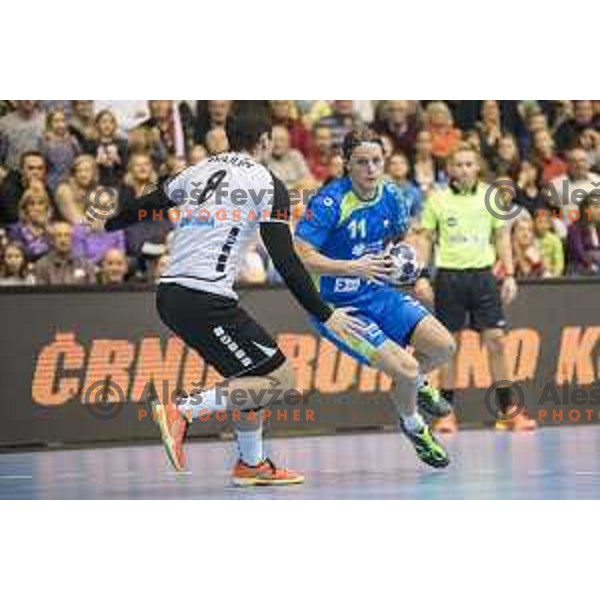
(555, 462)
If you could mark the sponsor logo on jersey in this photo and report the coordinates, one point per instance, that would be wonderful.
(268, 351)
(232, 346)
(347, 284)
(196, 222)
(371, 248)
(359, 249)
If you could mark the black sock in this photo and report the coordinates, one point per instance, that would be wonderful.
(448, 396)
(504, 398)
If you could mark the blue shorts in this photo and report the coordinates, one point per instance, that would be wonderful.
(388, 314)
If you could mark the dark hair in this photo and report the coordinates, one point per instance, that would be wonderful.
(403, 155)
(591, 199)
(244, 131)
(356, 137)
(24, 267)
(103, 113)
(29, 154)
(538, 169)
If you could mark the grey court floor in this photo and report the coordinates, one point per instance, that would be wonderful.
(555, 462)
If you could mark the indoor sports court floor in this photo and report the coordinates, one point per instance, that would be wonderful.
(555, 462)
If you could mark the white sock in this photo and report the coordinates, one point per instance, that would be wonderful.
(208, 400)
(413, 422)
(250, 445)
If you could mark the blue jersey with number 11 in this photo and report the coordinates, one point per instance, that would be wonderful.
(341, 226)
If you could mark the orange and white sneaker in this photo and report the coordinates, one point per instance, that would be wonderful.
(520, 422)
(265, 473)
(173, 427)
(447, 424)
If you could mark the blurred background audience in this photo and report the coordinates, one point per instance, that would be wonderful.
(56, 155)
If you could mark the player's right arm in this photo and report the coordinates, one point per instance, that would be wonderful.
(371, 267)
(312, 233)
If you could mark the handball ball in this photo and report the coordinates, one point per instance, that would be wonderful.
(406, 264)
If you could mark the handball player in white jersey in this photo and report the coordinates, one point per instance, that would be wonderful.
(218, 205)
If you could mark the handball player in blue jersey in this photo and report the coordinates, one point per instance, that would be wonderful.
(342, 239)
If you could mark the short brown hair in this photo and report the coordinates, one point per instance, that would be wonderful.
(356, 137)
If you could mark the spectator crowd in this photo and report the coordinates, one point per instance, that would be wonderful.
(54, 155)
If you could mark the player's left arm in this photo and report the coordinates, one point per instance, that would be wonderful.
(133, 210)
(277, 238)
(404, 221)
(416, 212)
(409, 231)
(502, 242)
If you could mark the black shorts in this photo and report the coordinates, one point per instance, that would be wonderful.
(468, 298)
(220, 331)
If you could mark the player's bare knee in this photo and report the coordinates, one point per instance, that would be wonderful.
(495, 346)
(494, 342)
(407, 375)
(449, 347)
(410, 371)
(405, 369)
(443, 350)
(433, 342)
(285, 376)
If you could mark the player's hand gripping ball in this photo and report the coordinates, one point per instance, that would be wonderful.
(406, 264)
